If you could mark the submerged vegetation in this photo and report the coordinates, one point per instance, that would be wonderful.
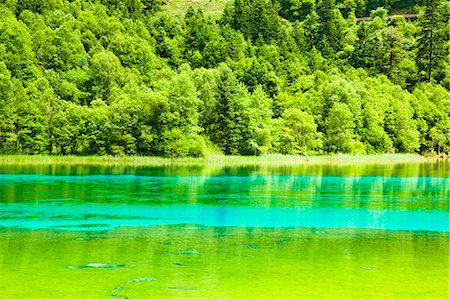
(296, 77)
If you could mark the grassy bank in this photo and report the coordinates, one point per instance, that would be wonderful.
(217, 160)
(212, 8)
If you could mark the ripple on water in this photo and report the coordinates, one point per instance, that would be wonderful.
(97, 266)
(142, 279)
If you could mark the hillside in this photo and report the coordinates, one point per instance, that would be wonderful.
(362, 8)
(210, 7)
(140, 77)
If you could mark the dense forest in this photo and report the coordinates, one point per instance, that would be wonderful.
(95, 77)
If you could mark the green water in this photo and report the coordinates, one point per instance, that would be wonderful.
(361, 231)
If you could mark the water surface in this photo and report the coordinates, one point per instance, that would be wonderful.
(322, 231)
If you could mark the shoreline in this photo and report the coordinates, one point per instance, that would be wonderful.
(274, 160)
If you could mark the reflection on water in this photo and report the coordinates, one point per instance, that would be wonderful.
(226, 262)
(317, 231)
(264, 197)
(432, 169)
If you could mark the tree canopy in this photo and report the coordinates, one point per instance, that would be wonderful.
(299, 77)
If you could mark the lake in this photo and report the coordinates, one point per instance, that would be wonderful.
(305, 231)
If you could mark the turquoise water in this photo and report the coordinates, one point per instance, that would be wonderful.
(319, 231)
(90, 202)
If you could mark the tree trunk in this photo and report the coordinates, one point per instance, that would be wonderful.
(430, 52)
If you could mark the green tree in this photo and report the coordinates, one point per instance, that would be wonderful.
(35, 109)
(61, 49)
(255, 19)
(97, 129)
(400, 126)
(178, 118)
(331, 27)
(440, 138)
(296, 9)
(231, 128)
(375, 139)
(432, 41)
(369, 50)
(393, 54)
(260, 123)
(8, 136)
(299, 134)
(69, 128)
(106, 73)
(16, 49)
(134, 52)
(339, 127)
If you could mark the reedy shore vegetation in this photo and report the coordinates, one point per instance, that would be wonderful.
(218, 160)
(293, 77)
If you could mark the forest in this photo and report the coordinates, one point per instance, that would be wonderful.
(299, 77)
